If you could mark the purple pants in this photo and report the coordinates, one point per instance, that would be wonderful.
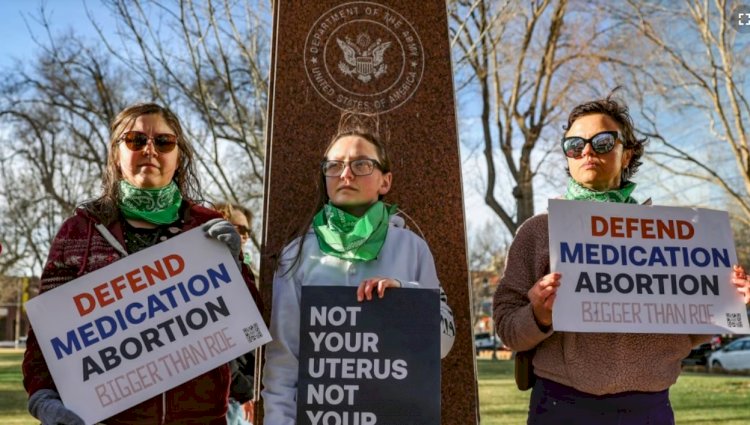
(554, 404)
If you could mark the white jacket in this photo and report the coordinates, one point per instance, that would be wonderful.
(404, 257)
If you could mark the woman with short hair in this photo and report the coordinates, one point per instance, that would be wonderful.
(589, 378)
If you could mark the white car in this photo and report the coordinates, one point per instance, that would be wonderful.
(487, 342)
(733, 356)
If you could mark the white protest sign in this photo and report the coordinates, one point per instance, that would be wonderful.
(147, 323)
(643, 269)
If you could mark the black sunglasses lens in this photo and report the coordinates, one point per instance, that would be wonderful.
(573, 146)
(603, 142)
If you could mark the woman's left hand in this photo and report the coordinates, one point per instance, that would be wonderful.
(741, 281)
(224, 231)
(381, 283)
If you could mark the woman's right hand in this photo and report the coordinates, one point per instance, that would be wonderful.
(45, 405)
(542, 296)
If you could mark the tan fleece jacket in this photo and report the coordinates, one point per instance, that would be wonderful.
(596, 363)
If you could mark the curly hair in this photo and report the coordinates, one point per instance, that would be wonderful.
(618, 111)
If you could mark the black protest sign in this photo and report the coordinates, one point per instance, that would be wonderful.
(368, 363)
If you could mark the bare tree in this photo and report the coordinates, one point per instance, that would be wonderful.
(206, 60)
(53, 150)
(693, 63)
(487, 251)
(209, 61)
(522, 63)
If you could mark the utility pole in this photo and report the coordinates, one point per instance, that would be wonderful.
(486, 289)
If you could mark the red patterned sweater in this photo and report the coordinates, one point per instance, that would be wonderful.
(79, 249)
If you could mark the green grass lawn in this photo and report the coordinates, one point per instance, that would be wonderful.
(697, 398)
(12, 396)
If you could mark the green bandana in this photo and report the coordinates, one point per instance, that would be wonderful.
(157, 206)
(349, 237)
(576, 192)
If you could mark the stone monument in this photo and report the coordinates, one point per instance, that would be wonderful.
(391, 58)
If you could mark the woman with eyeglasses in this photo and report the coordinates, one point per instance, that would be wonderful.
(150, 194)
(353, 239)
(588, 378)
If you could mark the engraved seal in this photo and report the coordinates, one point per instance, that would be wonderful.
(364, 56)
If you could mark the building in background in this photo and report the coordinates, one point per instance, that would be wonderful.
(14, 292)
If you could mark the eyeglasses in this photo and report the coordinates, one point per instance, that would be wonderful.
(137, 141)
(242, 229)
(359, 167)
(602, 142)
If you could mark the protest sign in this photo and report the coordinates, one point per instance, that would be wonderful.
(643, 269)
(147, 323)
(374, 362)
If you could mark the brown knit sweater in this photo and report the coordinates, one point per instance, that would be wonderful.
(596, 363)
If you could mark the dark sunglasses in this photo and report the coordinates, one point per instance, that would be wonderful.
(137, 141)
(242, 230)
(602, 142)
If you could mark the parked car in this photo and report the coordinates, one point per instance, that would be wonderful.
(485, 341)
(698, 355)
(734, 356)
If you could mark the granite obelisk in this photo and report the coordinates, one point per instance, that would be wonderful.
(391, 58)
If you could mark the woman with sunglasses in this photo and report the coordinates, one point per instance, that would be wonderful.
(150, 193)
(588, 378)
(353, 239)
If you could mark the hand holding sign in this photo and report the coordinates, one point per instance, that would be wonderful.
(48, 408)
(542, 296)
(224, 232)
(366, 287)
(740, 280)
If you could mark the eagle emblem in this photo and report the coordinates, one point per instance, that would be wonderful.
(363, 60)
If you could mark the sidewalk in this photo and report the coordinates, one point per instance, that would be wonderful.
(501, 354)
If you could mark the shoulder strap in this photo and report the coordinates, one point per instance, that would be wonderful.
(111, 239)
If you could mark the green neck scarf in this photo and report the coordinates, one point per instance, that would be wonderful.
(576, 192)
(349, 237)
(157, 206)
